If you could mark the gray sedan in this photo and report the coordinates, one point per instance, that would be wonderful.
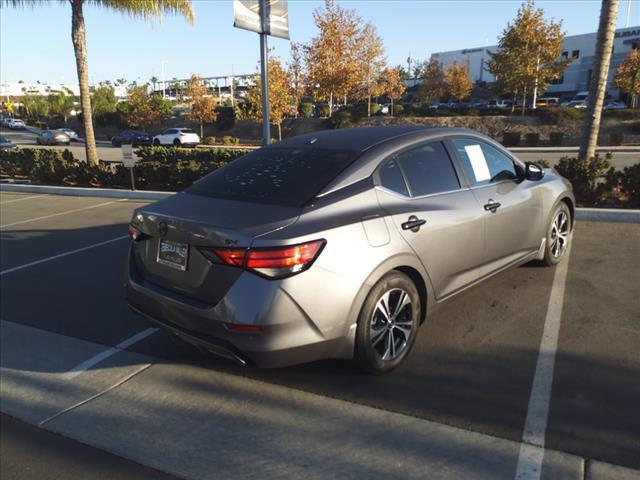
(52, 137)
(340, 244)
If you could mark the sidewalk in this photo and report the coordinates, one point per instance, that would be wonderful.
(201, 423)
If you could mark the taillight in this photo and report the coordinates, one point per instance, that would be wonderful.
(271, 262)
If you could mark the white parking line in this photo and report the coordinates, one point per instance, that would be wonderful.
(533, 438)
(61, 213)
(87, 364)
(21, 199)
(55, 257)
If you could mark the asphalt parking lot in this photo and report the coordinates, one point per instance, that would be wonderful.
(62, 304)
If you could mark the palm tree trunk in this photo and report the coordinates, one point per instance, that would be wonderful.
(600, 72)
(80, 47)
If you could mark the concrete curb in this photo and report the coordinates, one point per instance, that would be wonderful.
(85, 192)
(608, 215)
(584, 214)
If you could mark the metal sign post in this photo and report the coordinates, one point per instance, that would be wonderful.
(129, 162)
(266, 17)
(264, 72)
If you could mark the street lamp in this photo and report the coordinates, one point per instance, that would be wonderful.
(164, 93)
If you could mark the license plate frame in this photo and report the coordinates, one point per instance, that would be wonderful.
(176, 257)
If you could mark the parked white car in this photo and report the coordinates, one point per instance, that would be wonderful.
(16, 124)
(177, 137)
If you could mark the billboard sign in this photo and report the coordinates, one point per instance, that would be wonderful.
(247, 14)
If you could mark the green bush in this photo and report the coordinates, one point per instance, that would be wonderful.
(616, 138)
(210, 140)
(626, 114)
(559, 115)
(584, 176)
(556, 138)
(543, 162)
(375, 108)
(511, 139)
(626, 184)
(398, 109)
(160, 168)
(229, 140)
(472, 112)
(305, 110)
(169, 155)
(226, 118)
(634, 128)
(341, 119)
(322, 110)
(532, 139)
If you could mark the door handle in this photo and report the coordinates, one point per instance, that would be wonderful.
(492, 206)
(414, 223)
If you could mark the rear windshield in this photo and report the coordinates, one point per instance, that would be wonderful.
(289, 177)
(187, 130)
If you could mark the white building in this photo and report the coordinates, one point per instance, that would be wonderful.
(581, 48)
(17, 89)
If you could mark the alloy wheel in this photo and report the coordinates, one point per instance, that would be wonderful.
(559, 234)
(391, 324)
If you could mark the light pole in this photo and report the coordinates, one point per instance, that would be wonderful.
(264, 68)
(164, 92)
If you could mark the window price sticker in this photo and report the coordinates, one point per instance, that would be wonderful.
(478, 162)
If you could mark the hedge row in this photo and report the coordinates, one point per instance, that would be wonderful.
(159, 168)
(620, 188)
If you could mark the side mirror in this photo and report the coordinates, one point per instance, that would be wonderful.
(533, 171)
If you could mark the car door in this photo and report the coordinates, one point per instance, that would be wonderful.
(512, 208)
(420, 191)
(167, 136)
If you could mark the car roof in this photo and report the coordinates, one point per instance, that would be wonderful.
(360, 139)
(354, 139)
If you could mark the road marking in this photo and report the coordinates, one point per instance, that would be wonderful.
(99, 394)
(55, 257)
(21, 199)
(87, 364)
(62, 213)
(533, 437)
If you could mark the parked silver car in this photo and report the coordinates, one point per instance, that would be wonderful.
(338, 244)
(52, 137)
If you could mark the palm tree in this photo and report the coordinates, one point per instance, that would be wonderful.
(154, 81)
(145, 9)
(599, 74)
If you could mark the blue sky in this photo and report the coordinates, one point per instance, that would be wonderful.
(35, 44)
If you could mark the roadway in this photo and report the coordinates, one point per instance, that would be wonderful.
(109, 153)
(77, 362)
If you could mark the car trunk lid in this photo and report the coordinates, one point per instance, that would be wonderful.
(193, 221)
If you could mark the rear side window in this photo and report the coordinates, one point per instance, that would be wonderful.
(279, 176)
(483, 163)
(428, 170)
(391, 178)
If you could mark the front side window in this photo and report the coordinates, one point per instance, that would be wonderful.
(484, 164)
(428, 170)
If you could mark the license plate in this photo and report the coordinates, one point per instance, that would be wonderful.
(173, 254)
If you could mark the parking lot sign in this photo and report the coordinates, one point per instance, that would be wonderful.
(128, 161)
(274, 20)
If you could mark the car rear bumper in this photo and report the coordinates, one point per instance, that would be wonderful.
(288, 336)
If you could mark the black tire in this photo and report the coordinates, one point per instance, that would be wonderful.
(176, 143)
(556, 244)
(156, 142)
(370, 351)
